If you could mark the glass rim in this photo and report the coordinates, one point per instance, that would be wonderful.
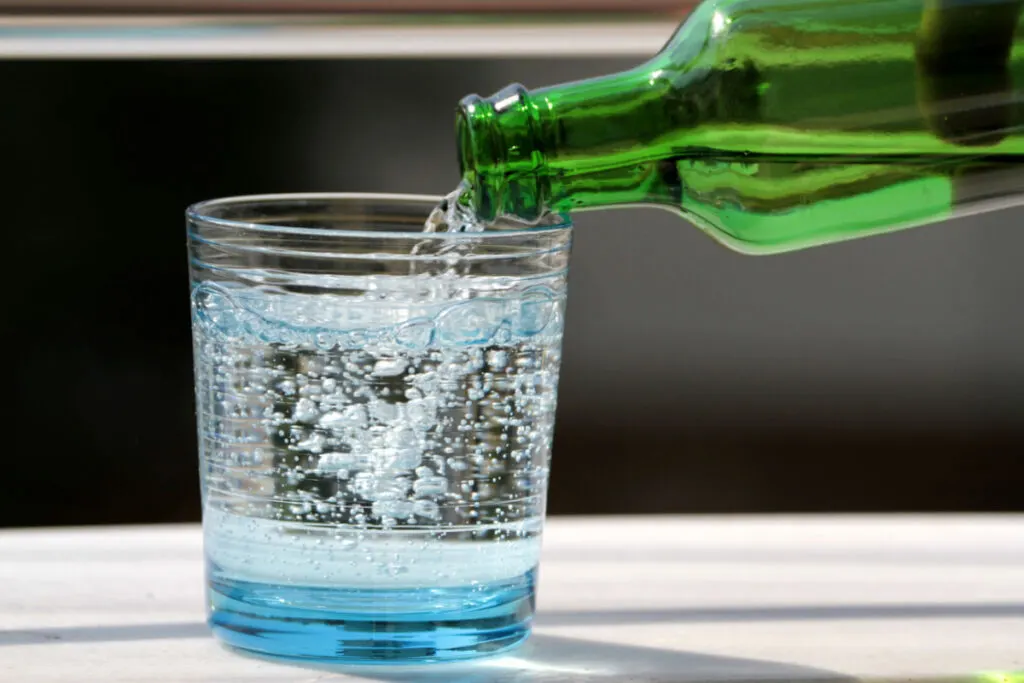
(198, 213)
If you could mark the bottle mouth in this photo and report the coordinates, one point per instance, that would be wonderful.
(501, 155)
(476, 162)
(464, 133)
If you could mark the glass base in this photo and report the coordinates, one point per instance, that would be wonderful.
(365, 626)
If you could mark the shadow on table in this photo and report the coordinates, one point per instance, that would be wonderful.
(557, 659)
(543, 659)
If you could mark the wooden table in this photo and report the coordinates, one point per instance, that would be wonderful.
(670, 599)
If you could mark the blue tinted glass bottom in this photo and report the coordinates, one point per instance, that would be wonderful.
(364, 626)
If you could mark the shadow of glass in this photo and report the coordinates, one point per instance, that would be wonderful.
(557, 659)
(543, 659)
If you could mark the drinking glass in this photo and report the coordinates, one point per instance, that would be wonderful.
(375, 413)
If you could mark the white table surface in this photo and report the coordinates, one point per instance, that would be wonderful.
(670, 599)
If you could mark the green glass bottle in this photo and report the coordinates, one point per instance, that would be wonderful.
(774, 124)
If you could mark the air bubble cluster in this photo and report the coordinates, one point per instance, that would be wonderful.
(354, 418)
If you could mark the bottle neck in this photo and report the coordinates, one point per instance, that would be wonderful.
(567, 147)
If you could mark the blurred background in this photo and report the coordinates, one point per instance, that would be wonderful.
(880, 375)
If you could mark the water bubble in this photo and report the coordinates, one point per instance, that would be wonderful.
(352, 417)
(395, 569)
(497, 359)
(415, 334)
(338, 421)
(377, 488)
(305, 411)
(457, 464)
(402, 437)
(427, 508)
(390, 367)
(217, 312)
(336, 462)
(364, 484)
(398, 458)
(422, 412)
(473, 322)
(301, 509)
(345, 542)
(535, 311)
(311, 390)
(287, 387)
(394, 509)
(430, 486)
(325, 341)
(315, 443)
(384, 412)
(474, 361)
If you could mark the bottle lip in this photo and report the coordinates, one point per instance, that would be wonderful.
(497, 160)
(474, 122)
(464, 133)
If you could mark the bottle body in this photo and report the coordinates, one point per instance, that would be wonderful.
(775, 124)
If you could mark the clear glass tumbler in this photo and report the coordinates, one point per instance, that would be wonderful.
(375, 409)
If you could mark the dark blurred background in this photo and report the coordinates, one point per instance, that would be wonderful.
(885, 374)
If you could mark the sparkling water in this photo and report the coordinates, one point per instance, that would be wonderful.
(375, 459)
(453, 214)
